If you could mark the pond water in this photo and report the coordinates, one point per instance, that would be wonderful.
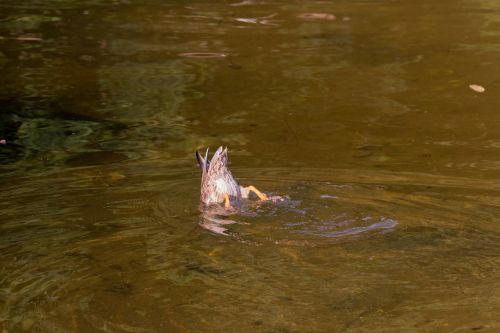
(359, 113)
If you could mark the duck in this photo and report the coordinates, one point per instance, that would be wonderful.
(218, 185)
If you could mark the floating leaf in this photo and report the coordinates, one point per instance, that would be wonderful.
(477, 88)
(317, 16)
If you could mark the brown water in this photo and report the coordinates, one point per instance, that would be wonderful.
(358, 112)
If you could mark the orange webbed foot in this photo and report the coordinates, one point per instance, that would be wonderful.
(251, 188)
(227, 203)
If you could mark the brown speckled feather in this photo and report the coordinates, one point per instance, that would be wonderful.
(216, 178)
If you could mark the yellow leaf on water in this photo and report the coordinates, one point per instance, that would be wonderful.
(477, 88)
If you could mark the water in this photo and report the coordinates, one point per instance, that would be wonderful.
(357, 112)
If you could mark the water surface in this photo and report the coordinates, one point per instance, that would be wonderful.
(359, 113)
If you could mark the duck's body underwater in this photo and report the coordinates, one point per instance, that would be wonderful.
(218, 184)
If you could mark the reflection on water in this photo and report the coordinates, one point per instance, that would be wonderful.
(358, 113)
(328, 216)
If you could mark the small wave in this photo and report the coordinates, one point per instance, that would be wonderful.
(382, 224)
(203, 55)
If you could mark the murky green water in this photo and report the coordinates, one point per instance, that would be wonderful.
(359, 112)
